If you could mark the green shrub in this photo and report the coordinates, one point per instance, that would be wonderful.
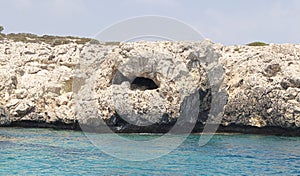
(257, 44)
(1, 28)
(52, 40)
(237, 49)
(112, 43)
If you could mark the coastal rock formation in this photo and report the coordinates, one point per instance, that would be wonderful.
(143, 84)
(263, 85)
(149, 86)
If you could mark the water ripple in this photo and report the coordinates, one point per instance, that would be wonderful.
(50, 152)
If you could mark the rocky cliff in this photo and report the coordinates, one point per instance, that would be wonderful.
(149, 86)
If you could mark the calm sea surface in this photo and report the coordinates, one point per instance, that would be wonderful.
(51, 152)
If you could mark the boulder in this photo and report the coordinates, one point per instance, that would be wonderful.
(12, 102)
(21, 93)
(24, 108)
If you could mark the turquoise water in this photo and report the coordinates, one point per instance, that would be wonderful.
(50, 152)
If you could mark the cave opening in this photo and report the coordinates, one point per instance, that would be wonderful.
(142, 83)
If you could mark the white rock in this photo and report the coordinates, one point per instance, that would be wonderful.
(24, 107)
(21, 93)
(12, 102)
(62, 100)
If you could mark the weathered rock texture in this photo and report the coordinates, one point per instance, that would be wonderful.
(263, 85)
(143, 84)
(148, 86)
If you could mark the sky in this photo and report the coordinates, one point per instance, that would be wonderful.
(223, 21)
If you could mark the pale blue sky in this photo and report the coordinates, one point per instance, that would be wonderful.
(225, 21)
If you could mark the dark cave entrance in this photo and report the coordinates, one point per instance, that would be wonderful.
(142, 83)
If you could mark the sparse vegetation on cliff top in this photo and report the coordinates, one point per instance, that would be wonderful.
(257, 44)
(53, 40)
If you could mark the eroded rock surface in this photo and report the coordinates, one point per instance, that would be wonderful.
(263, 85)
(140, 85)
(144, 83)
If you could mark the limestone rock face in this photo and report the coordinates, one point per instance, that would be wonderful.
(36, 81)
(131, 85)
(145, 83)
(263, 85)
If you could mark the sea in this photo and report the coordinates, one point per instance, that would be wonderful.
(37, 151)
